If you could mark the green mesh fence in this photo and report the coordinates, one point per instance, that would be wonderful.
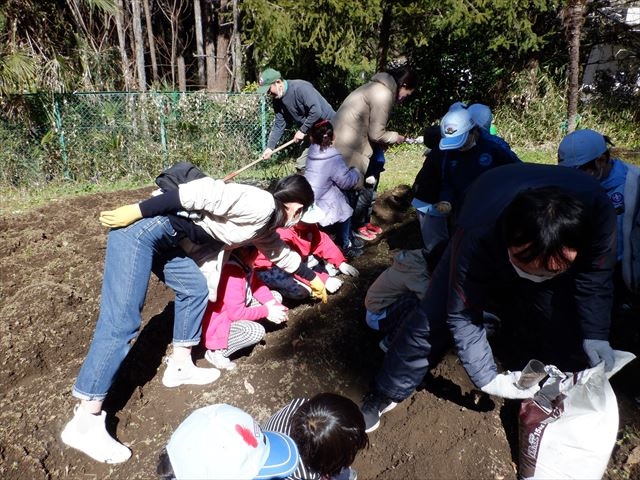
(107, 136)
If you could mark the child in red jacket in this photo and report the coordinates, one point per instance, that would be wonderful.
(316, 248)
(229, 323)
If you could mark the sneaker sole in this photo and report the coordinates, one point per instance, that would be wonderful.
(372, 427)
(375, 426)
(171, 384)
(364, 237)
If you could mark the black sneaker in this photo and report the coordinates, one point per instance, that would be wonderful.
(356, 242)
(351, 252)
(374, 405)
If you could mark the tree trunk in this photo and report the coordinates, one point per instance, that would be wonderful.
(385, 34)
(573, 19)
(151, 40)
(236, 55)
(197, 14)
(139, 44)
(182, 74)
(210, 47)
(122, 41)
(221, 81)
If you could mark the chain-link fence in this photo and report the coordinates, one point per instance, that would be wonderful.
(107, 136)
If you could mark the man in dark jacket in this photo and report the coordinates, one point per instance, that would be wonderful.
(540, 232)
(294, 101)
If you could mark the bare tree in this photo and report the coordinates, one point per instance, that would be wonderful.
(210, 47)
(197, 19)
(236, 55)
(172, 10)
(221, 83)
(573, 17)
(384, 35)
(151, 40)
(139, 44)
(122, 44)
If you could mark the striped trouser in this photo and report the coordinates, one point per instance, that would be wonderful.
(243, 333)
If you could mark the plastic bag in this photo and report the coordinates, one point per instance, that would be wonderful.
(569, 428)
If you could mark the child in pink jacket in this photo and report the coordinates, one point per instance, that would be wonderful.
(229, 323)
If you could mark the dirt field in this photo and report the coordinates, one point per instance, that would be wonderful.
(50, 270)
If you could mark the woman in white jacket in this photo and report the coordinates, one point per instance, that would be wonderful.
(148, 236)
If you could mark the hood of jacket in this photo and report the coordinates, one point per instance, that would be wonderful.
(387, 80)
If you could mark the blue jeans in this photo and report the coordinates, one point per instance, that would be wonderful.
(132, 253)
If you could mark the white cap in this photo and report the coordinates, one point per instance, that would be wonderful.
(222, 442)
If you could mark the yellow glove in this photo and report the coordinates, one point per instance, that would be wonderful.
(318, 289)
(121, 217)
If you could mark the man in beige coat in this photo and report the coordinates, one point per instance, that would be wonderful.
(360, 127)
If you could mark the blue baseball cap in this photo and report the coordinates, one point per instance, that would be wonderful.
(581, 147)
(481, 115)
(222, 442)
(454, 128)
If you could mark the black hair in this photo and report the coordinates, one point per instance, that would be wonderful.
(321, 133)
(404, 77)
(547, 219)
(329, 431)
(292, 188)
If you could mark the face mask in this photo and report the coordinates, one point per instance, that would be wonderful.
(529, 276)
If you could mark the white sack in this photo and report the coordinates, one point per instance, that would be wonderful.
(568, 430)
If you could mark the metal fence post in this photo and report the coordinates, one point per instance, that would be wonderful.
(263, 121)
(59, 127)
(163, 132)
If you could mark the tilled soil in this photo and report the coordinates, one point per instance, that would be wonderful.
(51, 263)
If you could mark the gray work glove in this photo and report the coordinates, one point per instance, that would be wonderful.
(504, 385)
(599, 351)
(347, 269)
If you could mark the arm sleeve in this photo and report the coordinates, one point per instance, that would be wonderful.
(278, 126)
(594, 278)
(327, 249)
(311, 99)
(167, 202)
(426, 186)
(344, 177)
(469, 272)
(278, 252)
(260, 291)
(234, 289)
(381, 104)
(305, 272)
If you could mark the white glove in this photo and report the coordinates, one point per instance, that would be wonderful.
(370, 180)
(333, 284)
(347, 269)
(331, 270)
(504, 385)
(599, 351)
(277, 313)
(267, 154)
